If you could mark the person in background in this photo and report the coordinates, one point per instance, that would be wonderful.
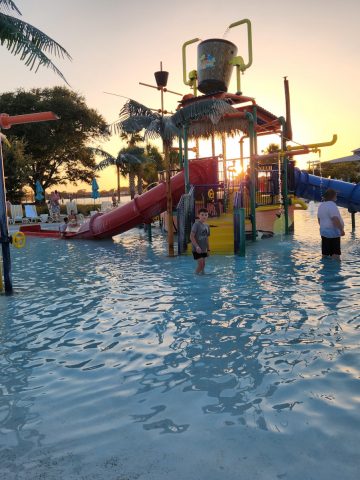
(8, 210)
(199, 237)
(114, 200)
(63, 226)
(72, 219)
(331, 225)
(55, 205)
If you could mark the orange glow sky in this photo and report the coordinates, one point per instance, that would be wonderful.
(116, 44)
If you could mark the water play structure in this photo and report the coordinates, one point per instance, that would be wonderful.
(257, 203)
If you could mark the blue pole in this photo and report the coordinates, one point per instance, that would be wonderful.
(4, 232)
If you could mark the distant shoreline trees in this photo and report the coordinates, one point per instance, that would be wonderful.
(54, 153)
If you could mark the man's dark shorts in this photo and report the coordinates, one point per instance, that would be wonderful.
(330, 246)
(199, 255)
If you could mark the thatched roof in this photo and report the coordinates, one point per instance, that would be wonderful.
(204, 128)
(233, 123)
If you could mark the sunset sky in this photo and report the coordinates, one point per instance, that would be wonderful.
(116, 44)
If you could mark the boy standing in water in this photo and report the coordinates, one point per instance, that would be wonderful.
(199, 237)
(331, 225)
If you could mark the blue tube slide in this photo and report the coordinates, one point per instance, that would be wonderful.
(312, 187)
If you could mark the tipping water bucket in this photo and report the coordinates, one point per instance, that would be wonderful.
(214, 69)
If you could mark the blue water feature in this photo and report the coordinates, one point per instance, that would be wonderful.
(117, 362)
(313, 187)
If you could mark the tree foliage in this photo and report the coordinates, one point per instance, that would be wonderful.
(56, 152)
(21, 38)
(347, 171)
(16, 166)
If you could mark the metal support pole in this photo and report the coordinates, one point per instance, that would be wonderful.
(186, 159)
(242, 157)
(239, 232)
(170, 229)
(149, 231)
(4, 232)
(353, 221)
(181, 159)
(223, 145)
(285, 169)
(250, 119)
(213, 145)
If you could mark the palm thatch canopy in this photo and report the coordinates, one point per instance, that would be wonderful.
(135, 117)
(228, 125)
(233, 120)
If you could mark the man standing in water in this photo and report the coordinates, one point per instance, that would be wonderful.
(331, 226)
(199, 237)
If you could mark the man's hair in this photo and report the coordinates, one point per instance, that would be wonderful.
(203, 210)
(329, 194)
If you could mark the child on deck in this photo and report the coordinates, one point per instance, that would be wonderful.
(63, 226)
(199, 237)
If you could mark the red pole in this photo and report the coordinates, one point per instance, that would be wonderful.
(6, 121)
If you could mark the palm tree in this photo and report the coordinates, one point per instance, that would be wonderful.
(134, 169)
(127, 162)
(135, 117)
(21, 38)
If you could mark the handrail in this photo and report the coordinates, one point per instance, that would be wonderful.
(314, 145)
(193, 74)
(248, 23)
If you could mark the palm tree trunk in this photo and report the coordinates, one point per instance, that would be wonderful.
(170, 232)
(132, 184)
(140, 180)
(118, 182)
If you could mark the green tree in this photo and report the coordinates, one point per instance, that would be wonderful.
(57, 152)
(21, 38)
(152, 169)
(16, 166)
(272, 148)
(127, 163)
(134, 168)
(347, 171)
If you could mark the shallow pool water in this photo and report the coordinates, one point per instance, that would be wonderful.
(117, 362)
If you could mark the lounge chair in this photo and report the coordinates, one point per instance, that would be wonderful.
(31, 213)
(71, 206)
(17, 214)
(106, 207)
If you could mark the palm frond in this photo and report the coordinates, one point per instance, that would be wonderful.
(8, 6)
(212, 108)
(133, 108)
(21, 38)
(106, 163)
(108, 158)
(134, 150)
(131, 124)
(130, 159)
(169, 130)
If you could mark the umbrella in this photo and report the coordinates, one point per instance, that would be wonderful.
(94, 189)
(39, 191)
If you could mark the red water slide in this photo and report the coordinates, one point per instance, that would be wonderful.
(143, 208)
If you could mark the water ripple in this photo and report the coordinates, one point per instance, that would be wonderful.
(106, 338)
